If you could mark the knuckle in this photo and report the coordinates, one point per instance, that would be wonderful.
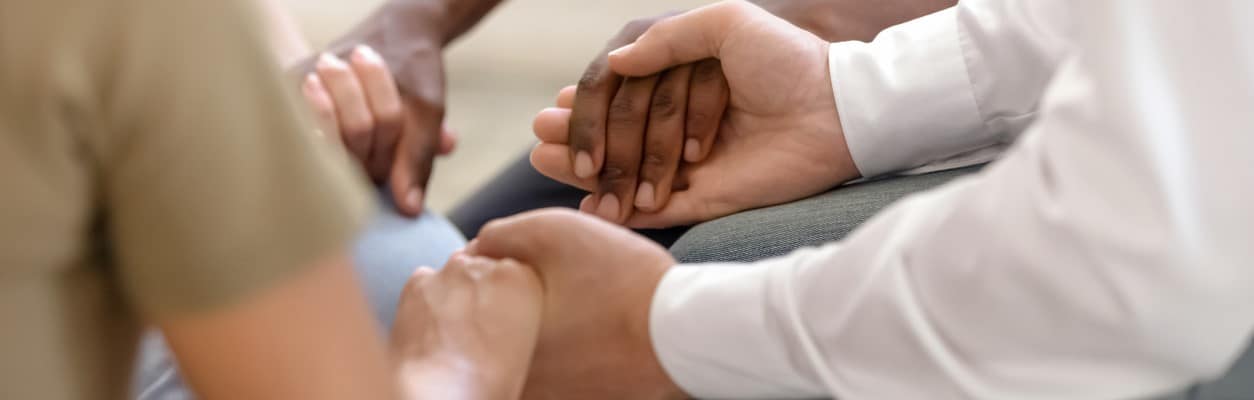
(625, 112)
(593, 79)
(654, 159)
(584, 129)
(358, 126)
(664, 104)
(414, 284)
(390, 114)
(491, 231)
(325, 112)
(699, 122)
(616, 173)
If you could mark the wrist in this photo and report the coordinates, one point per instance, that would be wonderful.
(665, 387)
(447, 20)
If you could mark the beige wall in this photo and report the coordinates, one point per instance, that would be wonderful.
(502, 73)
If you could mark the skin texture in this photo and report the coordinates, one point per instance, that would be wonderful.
(599, 279)
(468, 331)
(275, 332)
(780, 130)
(409, 36)
(596, 307)
(358, 98)
(602, 103)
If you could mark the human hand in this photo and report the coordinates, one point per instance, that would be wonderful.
(634, 133)
(359, 102)
(598, 283)
(467, 331)
(780, 139)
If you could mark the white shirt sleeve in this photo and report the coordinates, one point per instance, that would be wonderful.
(1108, 255)
(948, 84)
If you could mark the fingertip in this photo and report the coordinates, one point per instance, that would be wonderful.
(552, 125)
(566, 97)
(621, 52)
(583, 165)
(585, 205)
(413, 199)
(407, 197)
(608, 207)
(365, 54)
(328, 61)
(692, 150)
(644, 196)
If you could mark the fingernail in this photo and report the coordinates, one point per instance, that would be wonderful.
(583, 165)
(644, 196)
(609, 207)
(585, 205)
(327, 60)
(621, 50)
(366, 53)
(414, 198)
(692, 150)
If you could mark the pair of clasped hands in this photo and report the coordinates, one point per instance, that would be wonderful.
(722, 109)
(659, 139)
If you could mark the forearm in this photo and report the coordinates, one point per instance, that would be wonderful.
(841, 20)
(406, 30)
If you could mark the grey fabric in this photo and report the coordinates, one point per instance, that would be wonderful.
(1237, 384)
(520, 188)
(773, 231)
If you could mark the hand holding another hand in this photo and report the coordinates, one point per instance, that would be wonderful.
(598, 281)
(779, 140)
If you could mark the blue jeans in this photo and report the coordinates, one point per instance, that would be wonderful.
(385, 255)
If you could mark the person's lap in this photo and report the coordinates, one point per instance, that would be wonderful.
(385, 255)
(393, 246)
(775, 231)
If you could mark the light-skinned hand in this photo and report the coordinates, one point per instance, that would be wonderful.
(598, 282)
(780, 139)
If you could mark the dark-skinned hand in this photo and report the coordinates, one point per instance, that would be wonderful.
(633, 134)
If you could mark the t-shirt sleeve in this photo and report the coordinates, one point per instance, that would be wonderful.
(215, 186)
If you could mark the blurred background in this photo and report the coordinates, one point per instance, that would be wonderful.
(507, 69)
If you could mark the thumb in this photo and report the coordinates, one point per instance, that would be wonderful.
(541, 238)
(689, 37)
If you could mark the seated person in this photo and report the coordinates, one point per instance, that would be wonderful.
(1103, 257)
(158, 174)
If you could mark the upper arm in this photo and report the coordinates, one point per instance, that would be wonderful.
(307, 338)
(226, 216)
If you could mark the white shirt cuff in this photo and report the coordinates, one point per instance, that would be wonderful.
(905, 99)
(716, 336)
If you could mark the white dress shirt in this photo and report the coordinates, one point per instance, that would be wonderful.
(1108, 254)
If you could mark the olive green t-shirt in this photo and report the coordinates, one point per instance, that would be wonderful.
(152, 164)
